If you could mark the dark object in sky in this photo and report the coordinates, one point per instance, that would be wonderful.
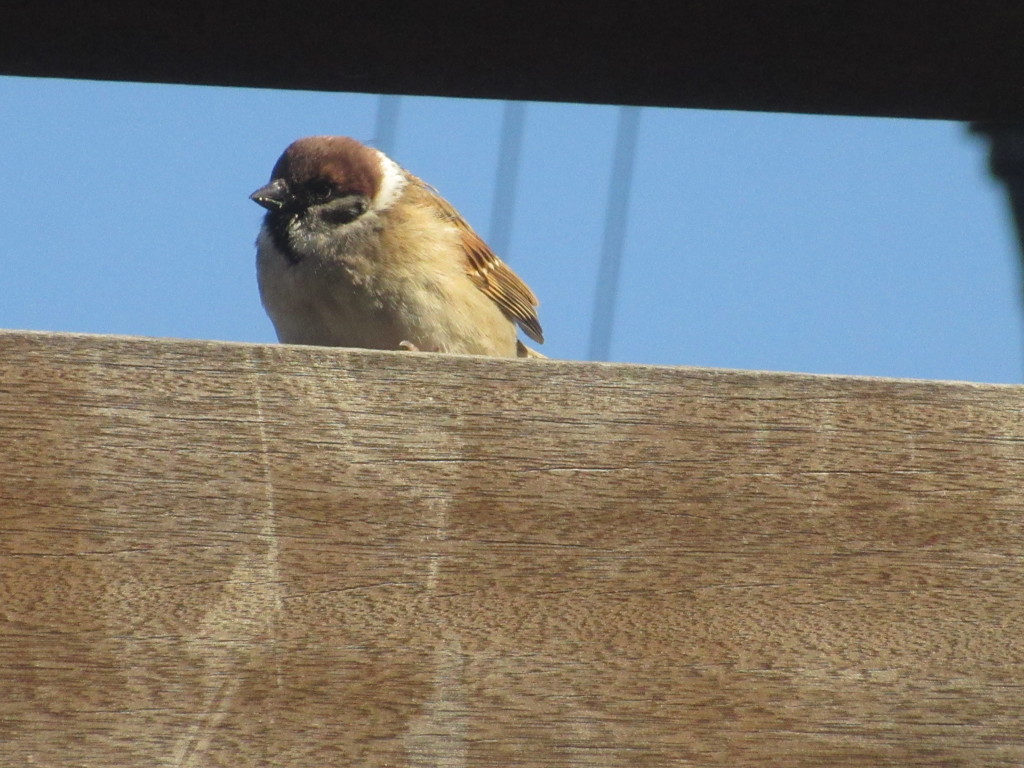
(960, 61)
(1006, 162)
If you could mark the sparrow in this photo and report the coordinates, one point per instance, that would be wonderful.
(355, 251)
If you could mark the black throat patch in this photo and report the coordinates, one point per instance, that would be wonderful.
(277, 223)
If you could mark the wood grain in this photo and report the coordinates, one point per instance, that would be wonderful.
(223, 554)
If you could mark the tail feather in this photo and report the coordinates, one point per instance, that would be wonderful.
(525, 351)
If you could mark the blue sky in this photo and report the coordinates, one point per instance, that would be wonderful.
(761, 241)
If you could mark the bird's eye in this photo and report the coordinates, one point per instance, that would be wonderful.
(320, 190)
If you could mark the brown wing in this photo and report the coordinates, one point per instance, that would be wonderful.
(489, 273)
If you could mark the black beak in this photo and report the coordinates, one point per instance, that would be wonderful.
(274, 196)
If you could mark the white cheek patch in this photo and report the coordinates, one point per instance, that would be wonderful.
(392, 183)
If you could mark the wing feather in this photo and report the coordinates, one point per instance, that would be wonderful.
(489, 273)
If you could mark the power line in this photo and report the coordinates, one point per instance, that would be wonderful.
(386, 126)
(614, 239)
(513, 126)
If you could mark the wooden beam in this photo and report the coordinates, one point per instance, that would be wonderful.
(227, 554)
(865, 57)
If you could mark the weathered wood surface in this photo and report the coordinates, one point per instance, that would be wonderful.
(238, 555)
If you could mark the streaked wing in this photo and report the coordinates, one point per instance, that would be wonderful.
(489, 273)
